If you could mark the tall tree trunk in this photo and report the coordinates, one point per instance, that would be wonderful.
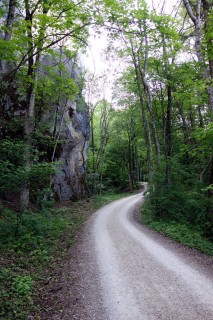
(148, 141)
(93, 150)
(152, 116)
(5, 66)
(29, 124)
(196, 19)
(10, 20)
(200, 117)
(144, 117)
(129, 164)
(186, 130)
(29, 113)
(207, 7)
(28, 130)
(137, 165)
(168, 144)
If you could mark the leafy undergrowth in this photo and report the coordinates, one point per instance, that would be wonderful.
(183, 234)
(32, 256)
(105, 198)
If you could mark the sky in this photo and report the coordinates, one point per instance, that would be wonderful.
(97, 64)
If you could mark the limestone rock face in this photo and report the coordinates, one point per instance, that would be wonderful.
(70, 121)
(65, 122)
(69, 182)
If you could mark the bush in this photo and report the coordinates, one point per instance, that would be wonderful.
(13, 173)
(15, 294)
(184, 234)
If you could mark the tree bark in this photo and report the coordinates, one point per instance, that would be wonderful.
(150, 108)
(144, 117)
(168, 144)
(186, 130)
(5, 66)
(29, 124)
(129, 164)
(10, 20)
(207, 7)
(196, 19)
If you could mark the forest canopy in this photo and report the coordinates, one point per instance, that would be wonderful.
(158, 127)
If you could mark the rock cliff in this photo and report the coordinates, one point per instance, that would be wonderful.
(70, 121)
(61, 119)
(69, 182)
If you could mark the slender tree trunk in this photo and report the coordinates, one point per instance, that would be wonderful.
(10, 20)
(207, 7)
(129, 165)
(28, 129)
(93, 151)
(200, 117)
(104, 136)
(148, 140)
(92, 142)
(137, 165)
(168, 144)
(150, 108)
(192, 120)
(29, 124)
(196, 19)
(186, 129)
(29, 114)
(5, 66)
(58, 134)
(144, 118)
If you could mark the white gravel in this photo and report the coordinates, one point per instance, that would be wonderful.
(120, 270)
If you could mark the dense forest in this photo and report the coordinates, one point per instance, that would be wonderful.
(62, 139)
(158, 127)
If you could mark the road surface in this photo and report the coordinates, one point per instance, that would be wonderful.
(123, 272)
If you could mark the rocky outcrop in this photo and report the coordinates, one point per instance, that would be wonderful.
(63, 122)
(70, 123)
(69, 182)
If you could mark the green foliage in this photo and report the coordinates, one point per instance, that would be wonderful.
(81, 105)
(184, 200)
(29, 254)
(38, 246)
(107, 197)
(22, 286)
(15, 293)
(39, 177)
(56, 82)
(11, 177)
(13, 172)
(43, 67)
(182, 233)
(12, 150)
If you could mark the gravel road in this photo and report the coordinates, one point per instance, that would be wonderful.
(123, 271)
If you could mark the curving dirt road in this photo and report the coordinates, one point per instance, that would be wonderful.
(125, 272)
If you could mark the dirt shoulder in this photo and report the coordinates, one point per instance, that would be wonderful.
(66, 288)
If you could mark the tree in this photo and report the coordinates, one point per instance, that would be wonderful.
(45, 24)
(171, 92)
(196, 18)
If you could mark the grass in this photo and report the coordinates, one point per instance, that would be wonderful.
(101, 200)
(182, 233)
(24, 257)
(42, 242)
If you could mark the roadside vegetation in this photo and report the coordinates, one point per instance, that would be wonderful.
(185, 223)
(183, 233)
(156, 128)
(33, 253)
